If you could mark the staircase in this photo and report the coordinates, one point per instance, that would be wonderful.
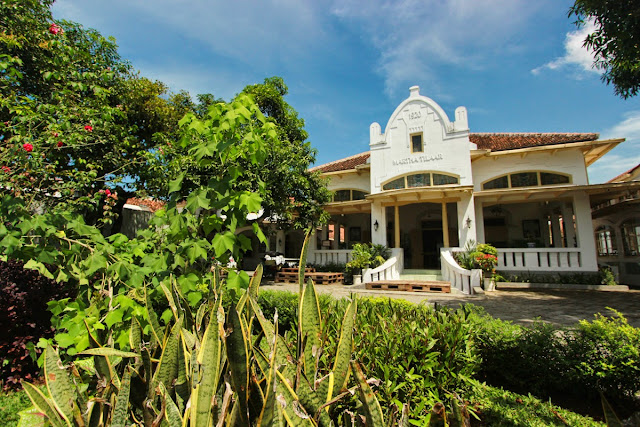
(414, 281)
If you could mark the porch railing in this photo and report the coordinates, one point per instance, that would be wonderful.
(389, 270)
(539, 259)
(330, 256)
(460, 278)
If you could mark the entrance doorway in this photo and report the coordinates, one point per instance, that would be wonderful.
(432, 241)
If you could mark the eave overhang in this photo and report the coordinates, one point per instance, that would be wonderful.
(591, 150)
(407, 196)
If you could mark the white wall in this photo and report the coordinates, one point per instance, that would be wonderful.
(446, 143)
(562, 161)
(353, 180)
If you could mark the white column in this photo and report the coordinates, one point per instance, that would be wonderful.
(570, 231)
(584, 227)
(479, 223)
(466, 210)
(378, 213)
(445, 225)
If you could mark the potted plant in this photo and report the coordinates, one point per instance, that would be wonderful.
(486, 258)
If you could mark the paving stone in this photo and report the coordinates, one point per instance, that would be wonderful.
(559, 307)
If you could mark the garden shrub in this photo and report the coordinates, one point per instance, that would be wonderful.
(578, 363)
(419, 353)
(24, 295)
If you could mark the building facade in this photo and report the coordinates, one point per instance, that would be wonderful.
(428, 186)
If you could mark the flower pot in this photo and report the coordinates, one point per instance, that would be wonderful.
(489, 284)
(357, 279)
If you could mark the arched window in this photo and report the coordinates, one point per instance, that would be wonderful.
(348, 195)
(526, 179)
(424, 179)
(606, 241)
(631, 236)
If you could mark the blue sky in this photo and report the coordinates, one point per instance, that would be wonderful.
(518, 66)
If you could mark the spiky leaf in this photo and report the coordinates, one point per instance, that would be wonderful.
(208, 360)
(121, 408)
(370, 405)
(167, 369)
(345, 348)
(310, 330)
(238, 355)
(59, 385)
(44, 405)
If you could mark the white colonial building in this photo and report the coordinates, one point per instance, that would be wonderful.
(428, 185)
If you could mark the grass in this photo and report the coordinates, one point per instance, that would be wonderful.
(498, 407)
(11, 403)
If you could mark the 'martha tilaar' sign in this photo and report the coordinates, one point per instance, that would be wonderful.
(417, 159)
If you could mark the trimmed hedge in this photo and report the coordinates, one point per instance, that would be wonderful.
(25, 319)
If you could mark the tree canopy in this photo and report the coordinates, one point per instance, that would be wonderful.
(78, 125)
(615, 42)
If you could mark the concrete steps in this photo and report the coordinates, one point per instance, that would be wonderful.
(421, 275)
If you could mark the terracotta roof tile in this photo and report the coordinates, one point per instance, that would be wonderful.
(343, 164)
(484, 141)
(152, 205)
(624, 176)
(512, 141)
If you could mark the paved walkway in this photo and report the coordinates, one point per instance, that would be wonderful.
(522, 307)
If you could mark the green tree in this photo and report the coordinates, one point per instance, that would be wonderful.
(293, 194)
(615, 42)
(76, 122)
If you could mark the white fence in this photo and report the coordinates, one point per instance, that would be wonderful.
(330, 256)
(460, 278)
(539, 259)
(389, 270)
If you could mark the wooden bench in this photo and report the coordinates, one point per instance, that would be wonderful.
(410, 286)
(318, 278)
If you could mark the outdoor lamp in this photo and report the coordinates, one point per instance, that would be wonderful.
(376, 225)
(468, 222)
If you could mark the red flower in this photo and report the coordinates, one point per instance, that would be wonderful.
(55, 28)
(56, 134)
(107, 192)
(60, 144)
(6, 169)
(88, 128)
(27, 147)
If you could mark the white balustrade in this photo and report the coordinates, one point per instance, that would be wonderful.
(539, 259)
(389, 270)
(460, 278)
(330, 256)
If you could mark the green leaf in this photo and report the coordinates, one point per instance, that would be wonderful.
(238, 345)
(167, 369)
(208, 362)
(108, 351)
(344, 349)
(113, 317)
(176, 184)
(44, 405)
(38, 266)
(59, 385)
(223, 242)
(121, 410)
(198, 199)
(310, 330)
(371, 406)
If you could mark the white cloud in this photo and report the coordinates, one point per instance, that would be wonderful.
(415, 37)
(624, 156)
(575, 55)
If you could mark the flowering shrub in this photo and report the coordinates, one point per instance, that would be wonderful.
(27, 147)
(55, 29)
(487, 262)
(88, 128)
